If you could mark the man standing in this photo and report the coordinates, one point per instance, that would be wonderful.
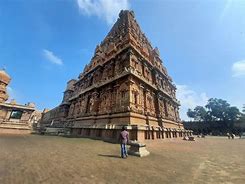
(123, 138)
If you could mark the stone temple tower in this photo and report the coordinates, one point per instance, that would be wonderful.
(4, 81)
(125, 84)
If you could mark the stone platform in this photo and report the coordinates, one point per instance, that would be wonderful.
(138, 149)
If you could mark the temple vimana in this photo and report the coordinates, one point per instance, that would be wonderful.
(125, 84)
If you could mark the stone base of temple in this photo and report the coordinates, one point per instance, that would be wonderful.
(14, 131)
(107, 127)
(14, 128)
(136, 133)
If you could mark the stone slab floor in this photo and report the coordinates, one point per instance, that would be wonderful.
(49, 159)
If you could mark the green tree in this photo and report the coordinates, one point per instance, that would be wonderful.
(217, 109)
(191, 114)
(218, 115)
(243, 114)
(201, 113)
(232, 114)
(198, 114)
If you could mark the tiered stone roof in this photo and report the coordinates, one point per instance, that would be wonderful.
(126, 31)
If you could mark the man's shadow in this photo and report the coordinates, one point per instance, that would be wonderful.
(112, 156)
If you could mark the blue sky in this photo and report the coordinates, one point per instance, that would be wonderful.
(43, 44)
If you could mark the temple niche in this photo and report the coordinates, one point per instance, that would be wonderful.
(125, 84)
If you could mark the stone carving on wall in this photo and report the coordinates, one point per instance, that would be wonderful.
(108, 71)
(162, 110)
(125, 74)
(115, 96)
(103, 102)
(70, 114)
(136, 64)
(94, 102)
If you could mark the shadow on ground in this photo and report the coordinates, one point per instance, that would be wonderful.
(113, 156)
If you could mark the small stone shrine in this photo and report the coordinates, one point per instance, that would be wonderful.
(15, 118)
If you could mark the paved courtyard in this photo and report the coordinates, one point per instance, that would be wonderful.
(46, 159)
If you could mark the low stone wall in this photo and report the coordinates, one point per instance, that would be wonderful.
(135, 133)
(14, 131)
(54, 131)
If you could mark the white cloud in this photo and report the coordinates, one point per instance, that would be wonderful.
(238, 69)
(105, 9)
(226, 9)
(189, 99)
(51, 57)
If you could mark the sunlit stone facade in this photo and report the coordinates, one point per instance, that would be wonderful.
(15, 118)
(125, 84)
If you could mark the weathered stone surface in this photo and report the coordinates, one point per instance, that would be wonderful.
(138, 149)
(125, 83)
(191, 138)
(4, 81)
(15, 118)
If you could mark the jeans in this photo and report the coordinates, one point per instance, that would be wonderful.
(123, 150)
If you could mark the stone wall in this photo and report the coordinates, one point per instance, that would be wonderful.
(125, 84)
(23, 123)
(141, 134)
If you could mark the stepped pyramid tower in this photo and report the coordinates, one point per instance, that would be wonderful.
(125, 84)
